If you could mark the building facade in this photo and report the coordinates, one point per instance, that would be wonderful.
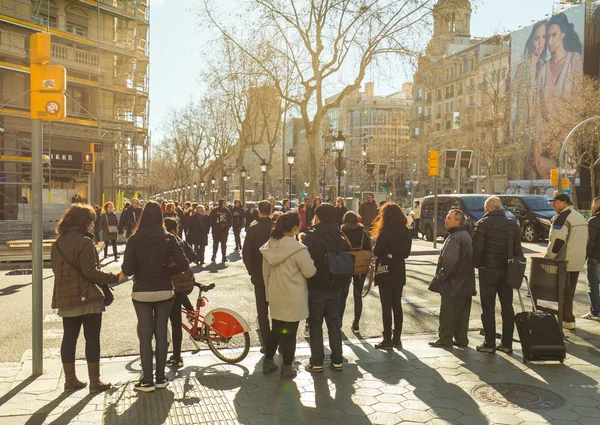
(104, 46)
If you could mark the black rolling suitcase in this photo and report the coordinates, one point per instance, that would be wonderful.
(539, 332)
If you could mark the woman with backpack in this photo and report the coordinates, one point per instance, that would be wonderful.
(110, 229)
(392, 247)
(360, 245)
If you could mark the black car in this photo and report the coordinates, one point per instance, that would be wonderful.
(470, 204)
(534, 213)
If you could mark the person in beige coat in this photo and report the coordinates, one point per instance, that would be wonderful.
(286, 266)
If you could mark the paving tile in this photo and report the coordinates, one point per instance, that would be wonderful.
(587, 412)
(384, 418)
(443, 413)
(473, 420)
(420, 416)
(387, 407)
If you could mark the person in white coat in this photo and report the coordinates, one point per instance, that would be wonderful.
(286, 266)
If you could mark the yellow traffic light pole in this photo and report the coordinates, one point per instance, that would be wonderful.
(433, 161)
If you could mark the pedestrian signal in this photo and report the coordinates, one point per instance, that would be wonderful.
(87, 162)
(433, 163)
(554, 177)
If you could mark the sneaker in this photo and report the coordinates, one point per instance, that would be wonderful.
(173, 362)
(145, 387)
(335, 366)
(569, 325)
(504, 349)
(485, 349)
(355, 327)
(162, 382)
(313, 369)
(590, 316)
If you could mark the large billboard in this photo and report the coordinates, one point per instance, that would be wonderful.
(546, 61)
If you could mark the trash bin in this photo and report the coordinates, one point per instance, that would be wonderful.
(548, 279)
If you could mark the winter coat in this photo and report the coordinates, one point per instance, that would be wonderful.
(490, 241)
(237, 215)
(286, 266)
(189, 252)
(187, 215)
(257, 235)
(199, 228)
(148, 257)
(323, 238)
(339, 214)
(354, 234)
(76, 287)
(122, 220)
(593, 245)
(109, 219)
(129, 219)
(568, 239)
(455, 274)
(310, 215)
(97, 223)
(250, 217)
(368, 212)
(397, 241)
(220, 221)
(303, 222)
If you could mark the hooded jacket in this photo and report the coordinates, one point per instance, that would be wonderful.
(568, 239)
(286, 266)
(148, 257)
(323, 238)
(455, 273)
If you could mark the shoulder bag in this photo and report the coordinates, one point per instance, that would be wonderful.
(184, 281)
(515, 269)
(105, 288)
(362, 257)
(111, 229)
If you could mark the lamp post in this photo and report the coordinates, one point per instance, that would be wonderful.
(340, 141)
(195, 191)
(225, 177)
(243, 172)
(202, 192)
(306, 184)
(190, 192)
(291, 156)
(212, 187)
(263, 169)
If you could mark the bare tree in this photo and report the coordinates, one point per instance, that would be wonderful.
(320, 42)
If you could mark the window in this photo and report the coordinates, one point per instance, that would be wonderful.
(77, 29)
(77, 21)
(419, 110)
(439, 96)
(419, 94)
(448, 125)
(417, 131)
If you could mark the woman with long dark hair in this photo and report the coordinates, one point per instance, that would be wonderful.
(110, 229)
(340, 210)
(286, 266)
(392, 247)
(76, 295)
(152, 256)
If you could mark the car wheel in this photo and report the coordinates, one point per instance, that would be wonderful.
(529, 233)
(429, 234)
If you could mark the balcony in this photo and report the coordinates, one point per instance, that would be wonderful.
(73, 58)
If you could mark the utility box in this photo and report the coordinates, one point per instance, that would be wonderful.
(547, 279)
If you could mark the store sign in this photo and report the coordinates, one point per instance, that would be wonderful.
(66, 159)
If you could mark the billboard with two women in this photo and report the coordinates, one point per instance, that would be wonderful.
(546, 61)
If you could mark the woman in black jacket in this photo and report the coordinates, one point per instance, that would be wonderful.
(391, 249)
(110, 229)
(152, 256)
(357, 237)
(238, 222)
(340, 210)
(250, 216)
(198, 235)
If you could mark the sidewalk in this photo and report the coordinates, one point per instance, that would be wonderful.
(418, 384)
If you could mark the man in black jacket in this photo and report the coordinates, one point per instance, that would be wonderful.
(325, 289)
(454, 280)
(131, 217)
(490, 256)
(257, 235)
(593, 262)
(220, 222)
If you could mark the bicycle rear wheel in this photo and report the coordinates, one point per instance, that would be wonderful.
(231, 349)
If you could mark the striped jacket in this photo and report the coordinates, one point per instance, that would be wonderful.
(568, 239)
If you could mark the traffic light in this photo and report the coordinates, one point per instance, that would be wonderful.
(87, 162)
(433, 163)
(48, 82)
(565, 183)
(554, 177)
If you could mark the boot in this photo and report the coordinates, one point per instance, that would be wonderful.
(288, 372)
(396, 339)
(96, 385)
(386, 344)
(269, 366)
(71, 381)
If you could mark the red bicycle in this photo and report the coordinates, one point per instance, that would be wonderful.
(224, 330)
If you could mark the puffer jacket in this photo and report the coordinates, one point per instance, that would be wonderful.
(323, 238)
(73, 287)
(568, 239)
(152, 256)
(490, 241)
(455, 273)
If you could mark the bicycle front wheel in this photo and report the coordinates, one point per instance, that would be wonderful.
(232, 349)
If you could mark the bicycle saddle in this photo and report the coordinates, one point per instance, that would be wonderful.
(205, 288)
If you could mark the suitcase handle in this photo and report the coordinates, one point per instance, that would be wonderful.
(529, 292)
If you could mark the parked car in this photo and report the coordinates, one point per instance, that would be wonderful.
(534, 213)
(470, 204)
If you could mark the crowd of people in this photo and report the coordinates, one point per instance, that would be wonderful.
(302, 265)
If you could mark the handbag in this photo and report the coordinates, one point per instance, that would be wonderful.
(515, 269)
(109, 297)
(362, 257)
(184, 281)
(111, 229)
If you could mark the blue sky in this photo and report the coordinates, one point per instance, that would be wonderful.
(177, 43)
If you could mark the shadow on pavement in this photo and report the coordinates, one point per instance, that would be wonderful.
(39, 417)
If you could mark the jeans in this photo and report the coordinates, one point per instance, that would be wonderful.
(199, 250)
(236, 234)
(283, 335)
(153, 319)
(492, 282)
(358, 284)
(92, 323)
(114, 247)
(324, 304)
(454, 320)
(180, 299)
(262, 313)
(593, 275)
(391, 302)
(570, 287)
(222, 239)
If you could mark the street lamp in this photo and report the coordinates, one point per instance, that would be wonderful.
(190, 192)
(202, 192)
(225, 177)
(212, 187)
(243, 173)
(340, 141)
(291, 156)
(364, 149)
(263, 169)
(195, 191)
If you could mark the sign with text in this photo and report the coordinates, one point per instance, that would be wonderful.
(71, 160)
